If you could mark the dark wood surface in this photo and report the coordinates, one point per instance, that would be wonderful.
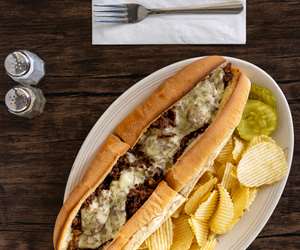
(83, 80)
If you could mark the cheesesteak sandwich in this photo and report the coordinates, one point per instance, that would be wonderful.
(148, 166)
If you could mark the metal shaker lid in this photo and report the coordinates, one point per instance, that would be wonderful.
(17, 99)
(17, 64)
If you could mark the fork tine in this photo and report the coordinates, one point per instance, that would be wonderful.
(110, 11)
(111, 21)
(118, 6)
(112, 16)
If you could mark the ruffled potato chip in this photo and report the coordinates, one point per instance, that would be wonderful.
(226, 153)
(238, 148)
(252, 196)
(183, 235)
(261, 164)
(143, 246)
(177, 213)
(208, 207)
(211, 243)
(220, 169)
(211, 170)
(162, 238)
(241, 195)
(222, 218)
(234, 182)
(258, 139)
(200, 229)
(195, 246)
(228, 176)
(207, 176)
(199, 196)
(240, 198)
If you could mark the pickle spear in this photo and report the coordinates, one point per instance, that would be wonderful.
(258, 119)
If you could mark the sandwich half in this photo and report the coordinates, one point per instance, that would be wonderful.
(150, 163)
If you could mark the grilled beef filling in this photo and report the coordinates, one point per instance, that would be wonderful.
(136, 174)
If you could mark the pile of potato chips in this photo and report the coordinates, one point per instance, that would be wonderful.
(222, 195)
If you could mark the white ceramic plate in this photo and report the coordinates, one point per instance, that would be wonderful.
(253, 221)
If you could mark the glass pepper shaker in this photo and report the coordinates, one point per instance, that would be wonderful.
(25, 101)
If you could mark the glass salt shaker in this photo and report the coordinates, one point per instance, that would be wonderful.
(25, 101)
(25, 67)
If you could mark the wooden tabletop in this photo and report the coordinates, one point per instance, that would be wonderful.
(83, 80)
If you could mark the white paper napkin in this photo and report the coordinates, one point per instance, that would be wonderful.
(173, 29)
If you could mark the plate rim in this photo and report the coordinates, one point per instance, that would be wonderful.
(171, 69)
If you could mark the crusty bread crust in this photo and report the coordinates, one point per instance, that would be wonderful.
(133, 126)
(153, 208)
(204, 147)
(101, 165)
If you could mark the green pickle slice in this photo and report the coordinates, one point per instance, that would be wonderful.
(258, 119)
(262, 94)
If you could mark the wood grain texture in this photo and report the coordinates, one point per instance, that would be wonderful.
(83, 80)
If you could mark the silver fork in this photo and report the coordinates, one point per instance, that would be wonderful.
(133, 13)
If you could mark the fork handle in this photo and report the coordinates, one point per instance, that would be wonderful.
(233, 7)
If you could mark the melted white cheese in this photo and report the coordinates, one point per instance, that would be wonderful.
(193, 111)
(95, 216)
(106, 214)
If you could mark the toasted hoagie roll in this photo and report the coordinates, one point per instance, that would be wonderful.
(154, 157)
